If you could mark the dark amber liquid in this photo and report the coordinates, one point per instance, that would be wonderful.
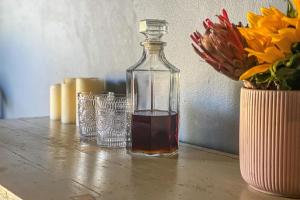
(154, 132)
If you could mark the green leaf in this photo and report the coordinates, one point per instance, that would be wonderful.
(277, 65)
(294, 61)
(284, 85)
(285, 73)
(291, 11)
(296, 47)
(262, 78)
(288, 78)
(294, 81)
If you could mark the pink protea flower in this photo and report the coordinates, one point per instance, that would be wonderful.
(222, 46)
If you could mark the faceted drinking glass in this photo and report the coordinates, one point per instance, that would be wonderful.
(111, 120)
(86, 115)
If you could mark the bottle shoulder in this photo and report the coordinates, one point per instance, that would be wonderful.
(153, 63)
(169, 65)
(137, 64)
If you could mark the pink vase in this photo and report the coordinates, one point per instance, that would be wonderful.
(270, 141)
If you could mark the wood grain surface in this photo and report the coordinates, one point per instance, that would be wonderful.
(44, 160)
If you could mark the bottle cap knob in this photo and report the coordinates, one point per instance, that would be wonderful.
(153, 29)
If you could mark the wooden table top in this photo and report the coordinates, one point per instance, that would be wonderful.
(43, 160)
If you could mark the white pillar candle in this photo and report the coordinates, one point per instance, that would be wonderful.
(92, 85)
(69, 80)
(55, 102)
(68, 101)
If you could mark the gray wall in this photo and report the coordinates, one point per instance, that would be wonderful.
(43, 41)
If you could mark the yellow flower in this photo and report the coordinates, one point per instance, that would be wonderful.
(267, 58)
(286, 37)
(254, 70)
(271, 11)
(269, 22)
(270, 54)
(293, 21)
(270, 37)
(256, 39)
(290, 21)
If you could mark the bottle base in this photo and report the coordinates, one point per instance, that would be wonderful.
(153, 153)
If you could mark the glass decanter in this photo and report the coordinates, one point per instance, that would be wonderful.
(153, 96)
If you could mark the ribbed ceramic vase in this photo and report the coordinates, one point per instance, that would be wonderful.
(270, 141)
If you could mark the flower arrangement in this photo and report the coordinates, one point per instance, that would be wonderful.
(265, 54)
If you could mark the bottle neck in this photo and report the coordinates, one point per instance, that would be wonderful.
(153, 48)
